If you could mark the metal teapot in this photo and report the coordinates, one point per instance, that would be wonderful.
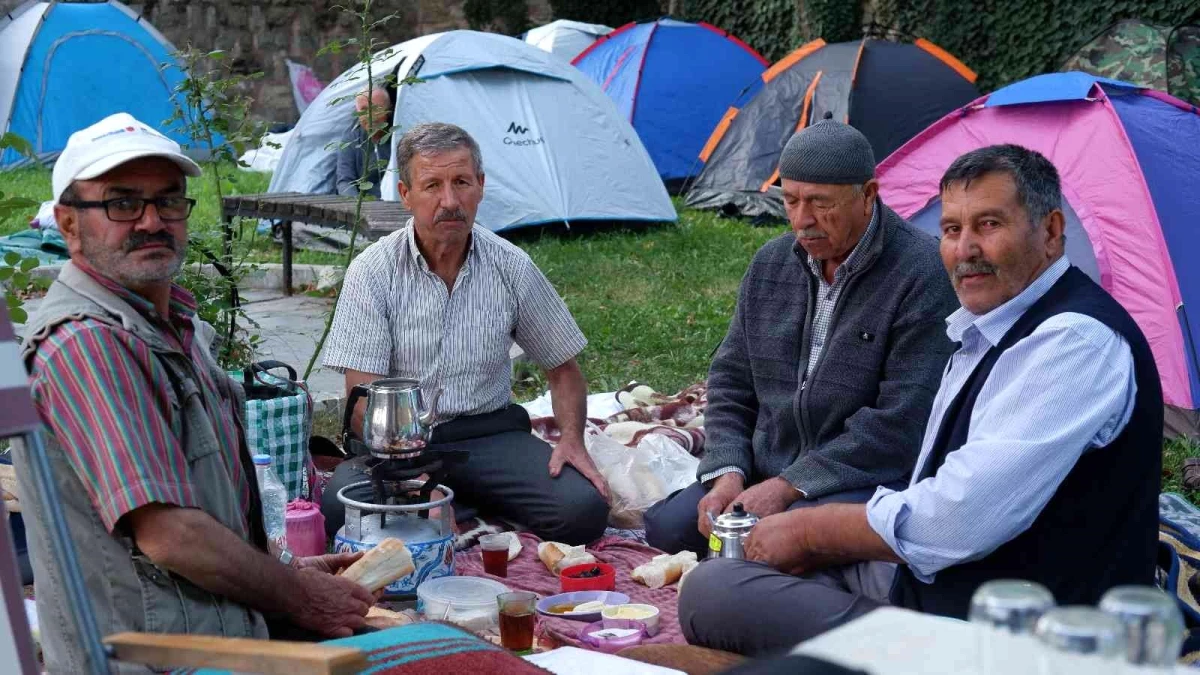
(729, 532)
(396, 422)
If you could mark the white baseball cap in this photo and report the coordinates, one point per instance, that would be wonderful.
(109, 143)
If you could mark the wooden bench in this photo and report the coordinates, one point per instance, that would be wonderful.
(376, 218)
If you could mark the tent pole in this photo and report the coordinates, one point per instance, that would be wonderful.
(1187, 329)
(48, 497)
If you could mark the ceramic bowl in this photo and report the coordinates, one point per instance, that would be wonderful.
(580, 597)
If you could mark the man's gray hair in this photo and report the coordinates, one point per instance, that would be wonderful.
(1038, 185)
(434, 137)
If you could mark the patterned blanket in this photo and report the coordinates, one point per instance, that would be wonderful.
(527, 573)
(679, 417)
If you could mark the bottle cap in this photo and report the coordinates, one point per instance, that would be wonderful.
(262, 460)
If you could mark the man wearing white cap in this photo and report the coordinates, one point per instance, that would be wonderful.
(145, 436)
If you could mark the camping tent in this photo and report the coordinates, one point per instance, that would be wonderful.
(1166, 58)
(565, 39)
(65, 66)
(1127, 161)
(887, 90)
(554, 146)
(673, 80)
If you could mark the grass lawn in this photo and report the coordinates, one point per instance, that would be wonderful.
(654, 302)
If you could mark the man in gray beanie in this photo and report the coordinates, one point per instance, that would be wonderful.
(822, 386)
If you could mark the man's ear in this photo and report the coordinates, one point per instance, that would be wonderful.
(481, 177)
(403, 190)
(870, 192)
(1055, 226)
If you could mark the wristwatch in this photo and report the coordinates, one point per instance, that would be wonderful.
(286, 557)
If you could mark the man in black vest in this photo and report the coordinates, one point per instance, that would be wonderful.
(1041, 459)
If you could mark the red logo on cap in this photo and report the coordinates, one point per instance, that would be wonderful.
(128, 128)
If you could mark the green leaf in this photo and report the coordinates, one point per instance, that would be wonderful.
(17, 143)
(29, 263)
(5, 273)
(216, 54)
(12, 258)
(18, 315)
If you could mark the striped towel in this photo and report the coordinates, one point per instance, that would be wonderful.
(424, 649)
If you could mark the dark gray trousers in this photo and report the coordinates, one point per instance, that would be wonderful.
(750, 608)
(506, 474)
(671, 524)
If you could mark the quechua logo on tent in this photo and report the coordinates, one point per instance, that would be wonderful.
(515, 130)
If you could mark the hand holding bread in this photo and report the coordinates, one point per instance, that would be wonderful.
(388, 561)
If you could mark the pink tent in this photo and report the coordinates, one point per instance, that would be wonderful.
(1129, 166)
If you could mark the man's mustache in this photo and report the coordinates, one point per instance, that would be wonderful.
(456, 214)
(140, 239)
(970, 267)
(810, 233)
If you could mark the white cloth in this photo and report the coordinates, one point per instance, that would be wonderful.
(575, 661)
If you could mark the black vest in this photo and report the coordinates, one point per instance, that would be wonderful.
(1100, 529)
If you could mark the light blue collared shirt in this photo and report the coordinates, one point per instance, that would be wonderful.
(1066, 388)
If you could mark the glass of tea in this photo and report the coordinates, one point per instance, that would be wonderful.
(518, 615)
(494, 548)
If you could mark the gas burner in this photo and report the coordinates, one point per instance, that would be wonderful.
(392, 480)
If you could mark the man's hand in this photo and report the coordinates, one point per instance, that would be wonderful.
(330, 605)
(329, 564)
(571, 451)
(767, 498)
(724, 490)
(779, 541)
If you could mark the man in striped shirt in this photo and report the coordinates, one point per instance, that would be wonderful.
(145, 437)
(442, 301)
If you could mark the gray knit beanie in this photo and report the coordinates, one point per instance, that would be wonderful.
(828, 152)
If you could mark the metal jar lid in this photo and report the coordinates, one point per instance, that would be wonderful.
(736, 520)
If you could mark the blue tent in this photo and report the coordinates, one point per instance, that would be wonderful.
(65, 65)
(673, 80)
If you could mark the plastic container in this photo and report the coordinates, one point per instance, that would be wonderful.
(605, 635)
(647, 614)
(469, 602)
(274, 501)
(305, 528)
(607, 581)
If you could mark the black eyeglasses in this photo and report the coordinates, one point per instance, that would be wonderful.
(128, 209)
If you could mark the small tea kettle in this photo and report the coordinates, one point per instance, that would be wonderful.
(396, 424)
(729, 532)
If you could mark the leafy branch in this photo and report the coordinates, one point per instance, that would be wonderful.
(15, 273)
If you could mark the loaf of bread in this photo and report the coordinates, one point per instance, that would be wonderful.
(388, 561)
(664, 569)
(558, 557)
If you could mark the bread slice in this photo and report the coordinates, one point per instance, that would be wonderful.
(558, 557)
(378, 617)
(664, 569)
(388, 561)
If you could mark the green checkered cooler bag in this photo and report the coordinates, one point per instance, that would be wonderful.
(279, 423)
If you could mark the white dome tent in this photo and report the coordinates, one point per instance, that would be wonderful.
(566, 38)
(555, 148)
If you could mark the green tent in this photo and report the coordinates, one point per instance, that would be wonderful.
(1166, 58)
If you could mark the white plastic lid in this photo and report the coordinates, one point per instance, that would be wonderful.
(461, 592)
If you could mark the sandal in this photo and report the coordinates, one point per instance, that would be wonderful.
(1191, 473)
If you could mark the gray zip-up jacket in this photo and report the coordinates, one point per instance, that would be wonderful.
(859, 420)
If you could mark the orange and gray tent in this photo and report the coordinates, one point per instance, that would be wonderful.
(888, 90)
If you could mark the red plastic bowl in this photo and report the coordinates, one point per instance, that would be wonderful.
(607, 581)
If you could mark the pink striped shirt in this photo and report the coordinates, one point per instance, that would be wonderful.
(106, 400)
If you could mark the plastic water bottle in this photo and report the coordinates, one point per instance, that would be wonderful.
(274, 501)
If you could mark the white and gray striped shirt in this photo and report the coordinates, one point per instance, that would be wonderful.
(396, 318)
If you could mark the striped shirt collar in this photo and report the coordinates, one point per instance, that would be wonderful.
(410, 244)
(852, 261)
(994, 324)
(181, 307)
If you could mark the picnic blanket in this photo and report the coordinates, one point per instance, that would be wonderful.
(527, 573)
(424, 649)
(679, 417)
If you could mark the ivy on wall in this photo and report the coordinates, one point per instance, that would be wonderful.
(776, 27)
(510, 17)
(1014, 39)
(614, 13)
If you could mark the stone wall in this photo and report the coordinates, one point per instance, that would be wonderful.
(261, 35)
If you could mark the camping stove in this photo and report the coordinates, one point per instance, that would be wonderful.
(396, 502)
